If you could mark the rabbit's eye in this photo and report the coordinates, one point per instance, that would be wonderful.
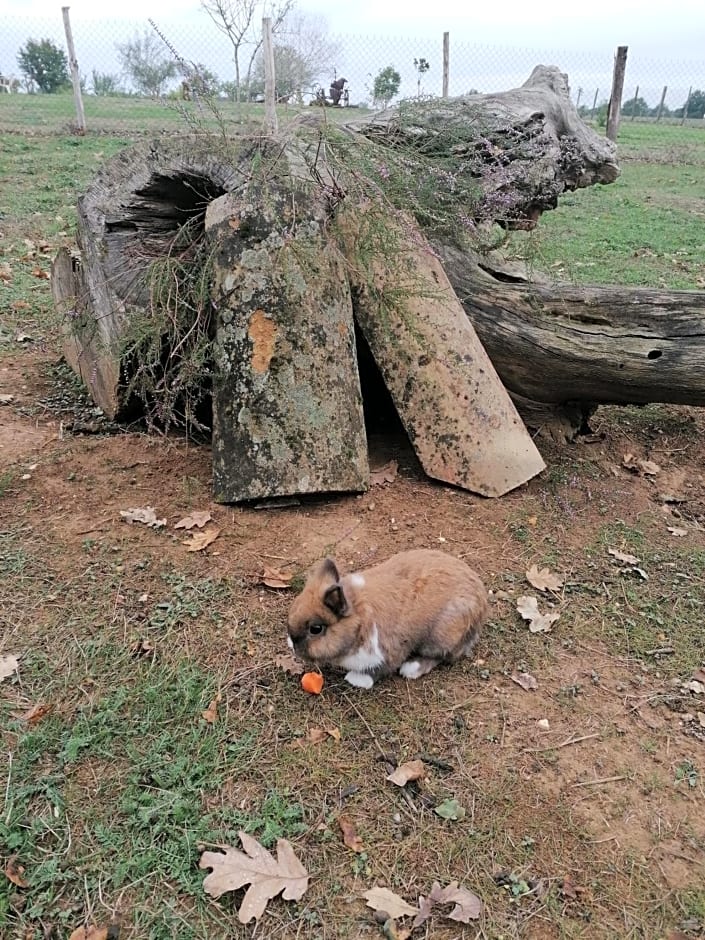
(315, 629)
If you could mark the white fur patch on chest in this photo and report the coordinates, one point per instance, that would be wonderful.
(367, 658)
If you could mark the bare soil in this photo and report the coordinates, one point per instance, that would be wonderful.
(582, 779)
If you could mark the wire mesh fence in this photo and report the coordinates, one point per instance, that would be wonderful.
(120, 98)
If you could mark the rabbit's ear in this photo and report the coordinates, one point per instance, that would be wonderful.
(335, 600)
(328, 570)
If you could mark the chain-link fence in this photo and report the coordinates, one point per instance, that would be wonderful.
(126, 92)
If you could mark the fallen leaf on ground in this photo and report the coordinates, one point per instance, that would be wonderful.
(197, 519)
(146, 515)
(35, 714)
(334, 733)
(698, 688)
(90, 933)
(679, 533)
(5, 272)
(274, 578)
(385, 474)
(525, 680)
(569, 890)
(15, 872)
(450, 809)
(200, 540)
(382, 899)
(699, 675)
(6, 399)
(639, 465)
(543, 579)
(266, 876)
(528, 607)
(142, 648)
(211, 713)
(23, 338)
(467, 905)
(350, 836)
(38, 272)
(289, 663)
(624, 557)
(8, 665)
(411, 770)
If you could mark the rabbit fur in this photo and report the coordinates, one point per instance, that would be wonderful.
(408, 614)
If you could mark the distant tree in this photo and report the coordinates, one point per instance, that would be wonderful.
(44, 64)
(696, 105)
(145, 64)
(422, 66)
(386, 85)
(638, 108)
(241, 22)
(203, 81)
(105, 84)
(303, 53)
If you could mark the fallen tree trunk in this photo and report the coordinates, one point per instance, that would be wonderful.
(558, 343)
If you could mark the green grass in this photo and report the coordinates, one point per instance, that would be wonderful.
(646, 229)
(114, 795)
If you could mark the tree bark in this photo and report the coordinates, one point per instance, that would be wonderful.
(458, 415)
(594, 345)
(525, 147)
(287, 405)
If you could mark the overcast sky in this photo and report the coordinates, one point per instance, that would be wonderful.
(666, 41)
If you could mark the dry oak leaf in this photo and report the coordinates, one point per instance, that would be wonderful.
(411, 770)
(624, 557)
(525, 680)
(266, 876)
(678, 532)
(211, 713)
(290, 664)
(543, 579)
(15, 872)
(8, 665)
(35, 714)
(6, 399)
(467, 905)
(382, 899)
(90, 933)
(528, 607)
(200, 540)
(197, 519)
(385, 474)
(350, 836)
(274, 578)
(145, 515)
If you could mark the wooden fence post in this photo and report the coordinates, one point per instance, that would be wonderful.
(446, 63)
(615, 105)
(75, 74)
(685, 106)
(663, 98)
(636, 98)
(594, 103)
(270, 90)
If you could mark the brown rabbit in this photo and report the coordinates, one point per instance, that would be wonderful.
(407, 614)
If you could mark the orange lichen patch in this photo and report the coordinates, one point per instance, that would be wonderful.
(263, 333)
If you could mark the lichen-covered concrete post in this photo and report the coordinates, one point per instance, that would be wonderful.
(287, 406)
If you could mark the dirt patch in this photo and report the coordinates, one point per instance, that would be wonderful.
(596, 774)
